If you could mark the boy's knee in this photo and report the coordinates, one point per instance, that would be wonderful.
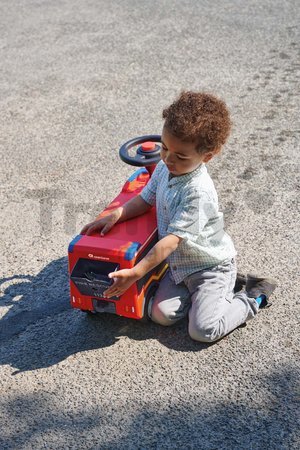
(161, 315)
(203, 333)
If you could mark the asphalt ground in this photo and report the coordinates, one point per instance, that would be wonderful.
(77, 80)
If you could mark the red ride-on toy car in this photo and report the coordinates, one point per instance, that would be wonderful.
(92, 258)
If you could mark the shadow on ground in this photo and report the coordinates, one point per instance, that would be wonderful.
(41, 329)
(235, 424)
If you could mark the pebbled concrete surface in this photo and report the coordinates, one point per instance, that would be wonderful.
(77, 80)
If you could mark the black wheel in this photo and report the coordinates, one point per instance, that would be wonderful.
(88, 312)
(146, 155)
(149, 295)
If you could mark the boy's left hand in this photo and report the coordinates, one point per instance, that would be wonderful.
(123, 279)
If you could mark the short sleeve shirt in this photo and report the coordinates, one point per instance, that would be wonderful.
(187, 206)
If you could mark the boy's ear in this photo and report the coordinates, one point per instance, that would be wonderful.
(208, 156)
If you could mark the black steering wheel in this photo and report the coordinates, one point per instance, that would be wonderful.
(147, 154)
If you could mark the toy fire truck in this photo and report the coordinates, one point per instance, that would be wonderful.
(92, 258)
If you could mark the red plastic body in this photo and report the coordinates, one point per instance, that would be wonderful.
(123, 246)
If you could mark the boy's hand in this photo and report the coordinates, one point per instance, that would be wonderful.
(102, 225)
(123, 279)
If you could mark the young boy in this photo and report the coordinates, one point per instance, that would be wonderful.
(201, 256)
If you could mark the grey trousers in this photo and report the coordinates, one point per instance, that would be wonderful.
(207, 297)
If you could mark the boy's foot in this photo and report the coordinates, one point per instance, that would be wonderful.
(260, 286)
(240, 282)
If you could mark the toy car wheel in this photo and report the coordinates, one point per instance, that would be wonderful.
(149, 297)
(88, 312)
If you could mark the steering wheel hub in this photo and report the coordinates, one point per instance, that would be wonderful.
(147, 153)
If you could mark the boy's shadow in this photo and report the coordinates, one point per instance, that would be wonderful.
(41, 329)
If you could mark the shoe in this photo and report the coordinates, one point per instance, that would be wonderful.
(240, 282)
(259, 285)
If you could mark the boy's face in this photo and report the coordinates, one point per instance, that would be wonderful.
(180, 157)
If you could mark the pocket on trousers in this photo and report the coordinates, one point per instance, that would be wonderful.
(229, 298)
(229, 295)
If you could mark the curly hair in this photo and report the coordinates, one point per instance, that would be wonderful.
(200, 118)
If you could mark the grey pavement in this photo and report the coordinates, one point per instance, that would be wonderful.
(79, 78)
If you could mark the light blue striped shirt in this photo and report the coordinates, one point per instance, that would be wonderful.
(187, 206)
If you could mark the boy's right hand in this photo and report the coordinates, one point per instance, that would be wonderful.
(102, 225)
